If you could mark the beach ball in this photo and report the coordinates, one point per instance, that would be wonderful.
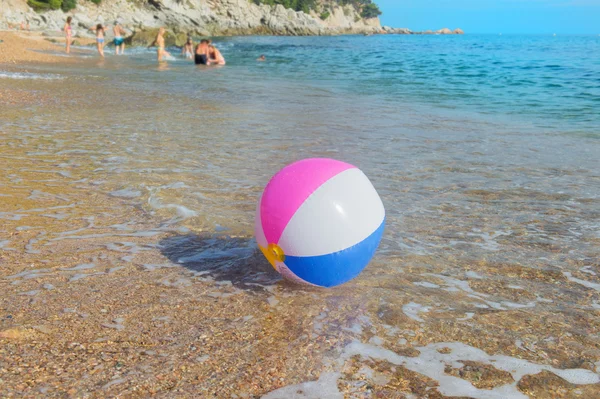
(319, 222)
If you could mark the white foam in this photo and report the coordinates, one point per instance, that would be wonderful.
(468, 316)
(83, 266)
(272, 301)
(377, 378)
(426, 284)
(585, 283)
(117, 324)
(432, 363)
(354, 328)
(26, 75)
(174, 185)
(391, 331)
(458, 285)
(519, 305)
(587, 269)
(182, 211)
(115, 269)
(489, 240)
(11, 216)
(475, 275)
(30, 293)
(455, 285)
(27, 273)
(413, 309)
(152, 267)
(324, 387)
(176, 283)
(114, 382)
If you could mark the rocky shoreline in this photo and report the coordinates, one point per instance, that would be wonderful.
(197, 18)
(406, 31)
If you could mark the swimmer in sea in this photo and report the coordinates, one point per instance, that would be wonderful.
(160, 43)
(215, 56)
(100, 30)
(261, 58)
(68, 33)
(119, 41)
(201, 53)
(188, 49)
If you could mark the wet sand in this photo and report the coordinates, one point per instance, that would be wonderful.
(114, 286)
(22, 47)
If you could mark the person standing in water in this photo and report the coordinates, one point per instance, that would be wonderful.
(188, 49)
(119, 41)
(201, 55)
(159, 42)
(68, 33)
(215, 56)
(100, 31)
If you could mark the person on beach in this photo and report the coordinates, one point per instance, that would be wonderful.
(159, 42)
(201, 53)
(119, 41)
(261, 58)
(100, 31)
(68, 33)
(188, 49)
(215, 56)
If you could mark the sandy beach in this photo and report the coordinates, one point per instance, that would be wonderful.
(129, 269)
(20, 49)
(23, 47)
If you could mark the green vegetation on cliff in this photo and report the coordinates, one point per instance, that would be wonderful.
(45, 5)
(366, 8)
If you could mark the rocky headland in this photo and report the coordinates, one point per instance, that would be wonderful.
(199, 18)
(406, 31)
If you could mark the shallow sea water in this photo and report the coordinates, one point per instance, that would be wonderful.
(127, 200)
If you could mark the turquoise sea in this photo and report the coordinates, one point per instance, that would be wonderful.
(511, 116)
(548, 83)
(136, 177)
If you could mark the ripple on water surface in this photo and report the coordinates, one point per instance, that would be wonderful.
(127, 226)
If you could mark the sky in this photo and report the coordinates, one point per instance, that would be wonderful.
(494, 16)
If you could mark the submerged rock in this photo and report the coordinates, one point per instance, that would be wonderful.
(145, 37)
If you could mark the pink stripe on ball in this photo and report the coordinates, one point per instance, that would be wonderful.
(289, 188)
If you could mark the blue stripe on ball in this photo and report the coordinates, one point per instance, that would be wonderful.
(339, 267)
